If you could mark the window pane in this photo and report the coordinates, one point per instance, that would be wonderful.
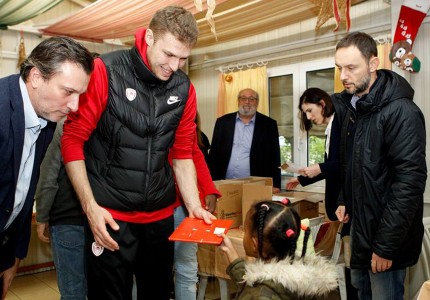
(281, 109)
(323, 79)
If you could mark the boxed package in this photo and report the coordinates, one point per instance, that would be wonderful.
(238, 194)
(255, 191)
(229, 205)
(267, 180)
(306, 203)
(213, 261)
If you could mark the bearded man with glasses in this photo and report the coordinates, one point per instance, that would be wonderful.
(246, 143)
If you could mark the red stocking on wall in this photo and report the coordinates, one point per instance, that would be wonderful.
(412, 14)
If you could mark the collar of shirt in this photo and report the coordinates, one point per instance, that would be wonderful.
(252, 119)
(328, 134)
(32, 121)
(330, 122)
(354, 100)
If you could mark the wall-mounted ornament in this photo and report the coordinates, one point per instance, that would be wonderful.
(339, 9)
(21, 51)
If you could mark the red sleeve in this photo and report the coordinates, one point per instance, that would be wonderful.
(185, 133)
(79, 125)
(204, 179)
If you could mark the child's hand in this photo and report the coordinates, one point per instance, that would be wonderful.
(292, 183)
(226, 244)
(227, 247)
(210, 201)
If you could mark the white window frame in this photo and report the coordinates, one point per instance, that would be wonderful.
(299, 71)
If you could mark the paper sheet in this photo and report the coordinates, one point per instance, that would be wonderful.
(291, 167)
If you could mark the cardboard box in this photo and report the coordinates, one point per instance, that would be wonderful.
(255, 191)
(213, 261)
(267, 180)
(238, 194)
(306, 203)
(229, 205)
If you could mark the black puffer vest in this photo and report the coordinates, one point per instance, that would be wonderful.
(126, 156)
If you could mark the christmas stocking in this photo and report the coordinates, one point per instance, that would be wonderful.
(411, 16)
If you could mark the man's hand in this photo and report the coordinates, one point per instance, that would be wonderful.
(43, 232)
(210, 201)
(185, 174)
(311, 171)
(7, 277)
(380, 264)
(201, 213)
(341, 215)
(98, 217)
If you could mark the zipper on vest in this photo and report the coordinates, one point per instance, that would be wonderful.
(150, 138)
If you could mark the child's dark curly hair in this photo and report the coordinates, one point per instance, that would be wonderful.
(277, 227)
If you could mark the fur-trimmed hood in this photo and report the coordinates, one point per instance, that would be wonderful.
(313, 276)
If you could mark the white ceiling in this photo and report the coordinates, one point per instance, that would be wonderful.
(233, 19)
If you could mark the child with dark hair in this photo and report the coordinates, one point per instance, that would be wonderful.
(271, 231)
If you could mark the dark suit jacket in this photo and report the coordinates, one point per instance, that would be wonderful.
(265, 157)
(12, 128)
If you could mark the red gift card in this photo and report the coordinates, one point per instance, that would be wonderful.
(197, 231)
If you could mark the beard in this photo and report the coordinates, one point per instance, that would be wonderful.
(245, 111)
(361, 86)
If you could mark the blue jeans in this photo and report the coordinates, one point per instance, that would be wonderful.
(388, 285)
(68, 242)
(185, 263)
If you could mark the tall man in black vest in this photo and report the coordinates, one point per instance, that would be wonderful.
(139, 107)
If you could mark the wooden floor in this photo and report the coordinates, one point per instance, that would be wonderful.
(39, 286)
(43, 286)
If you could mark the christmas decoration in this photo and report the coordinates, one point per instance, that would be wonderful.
(21, 51)
(339, 9)
(412, 13)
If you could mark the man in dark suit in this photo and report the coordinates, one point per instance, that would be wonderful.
(46, 90)
(246, 143)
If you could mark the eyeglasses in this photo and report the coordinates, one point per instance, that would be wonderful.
(250, 99)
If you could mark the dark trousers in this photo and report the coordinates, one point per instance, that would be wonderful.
(351, 292)
(144, 251)
(7, 250)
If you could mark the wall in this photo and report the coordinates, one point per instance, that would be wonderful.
(300, 43)
(10, 38)
(420, 81)
(9, 47)
(288, 45)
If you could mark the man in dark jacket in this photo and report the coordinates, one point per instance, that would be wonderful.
(246, 143)
(386, 171)
(47, 89)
